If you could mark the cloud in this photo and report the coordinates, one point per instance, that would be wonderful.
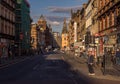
(53, 23)
(56, 20)
(55, 9)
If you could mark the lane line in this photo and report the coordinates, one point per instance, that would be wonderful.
(34, 68)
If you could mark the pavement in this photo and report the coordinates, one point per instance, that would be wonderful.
(80, 65)
(8, 61)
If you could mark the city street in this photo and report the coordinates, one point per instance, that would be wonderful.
(46, 69)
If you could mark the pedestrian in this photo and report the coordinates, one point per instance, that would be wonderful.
(118, 56)
(91, 63)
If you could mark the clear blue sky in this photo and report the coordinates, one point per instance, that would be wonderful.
(54, 10)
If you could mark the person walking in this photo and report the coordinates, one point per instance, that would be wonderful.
(91, 63)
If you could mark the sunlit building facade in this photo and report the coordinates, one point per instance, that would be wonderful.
(64, 35)
(109, 25)
(33, 36)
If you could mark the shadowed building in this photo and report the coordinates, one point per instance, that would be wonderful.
(41, 27)
(23, 25)
(7, 25)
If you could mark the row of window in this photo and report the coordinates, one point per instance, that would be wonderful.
(5, 12)
(102, 3)
(108, 20)
(10, 2)
(7, 28)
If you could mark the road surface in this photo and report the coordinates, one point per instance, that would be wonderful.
(44, 69)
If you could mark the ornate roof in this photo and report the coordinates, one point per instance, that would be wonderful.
(42, 18)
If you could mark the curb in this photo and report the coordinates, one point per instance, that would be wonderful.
(99, 74)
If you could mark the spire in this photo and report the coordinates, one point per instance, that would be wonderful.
(42, 18)
(64, 30)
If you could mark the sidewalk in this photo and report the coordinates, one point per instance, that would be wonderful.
(6, 61)
(80, 65)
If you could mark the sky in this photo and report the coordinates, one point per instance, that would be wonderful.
(54, 11)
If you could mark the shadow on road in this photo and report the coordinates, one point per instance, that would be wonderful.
(43, 70)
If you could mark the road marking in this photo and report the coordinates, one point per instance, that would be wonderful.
(34, 68)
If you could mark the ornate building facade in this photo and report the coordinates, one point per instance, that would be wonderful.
(41, 35)
(41, 27)
(7, 24)
(109, 28)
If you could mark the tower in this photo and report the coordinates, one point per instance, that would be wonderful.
(64, 35)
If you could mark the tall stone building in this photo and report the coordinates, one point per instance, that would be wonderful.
(7, 25)
(74, 27)
(88, 16)
(64, 35)
(41, 27)
(41, 34)
(109, 24)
